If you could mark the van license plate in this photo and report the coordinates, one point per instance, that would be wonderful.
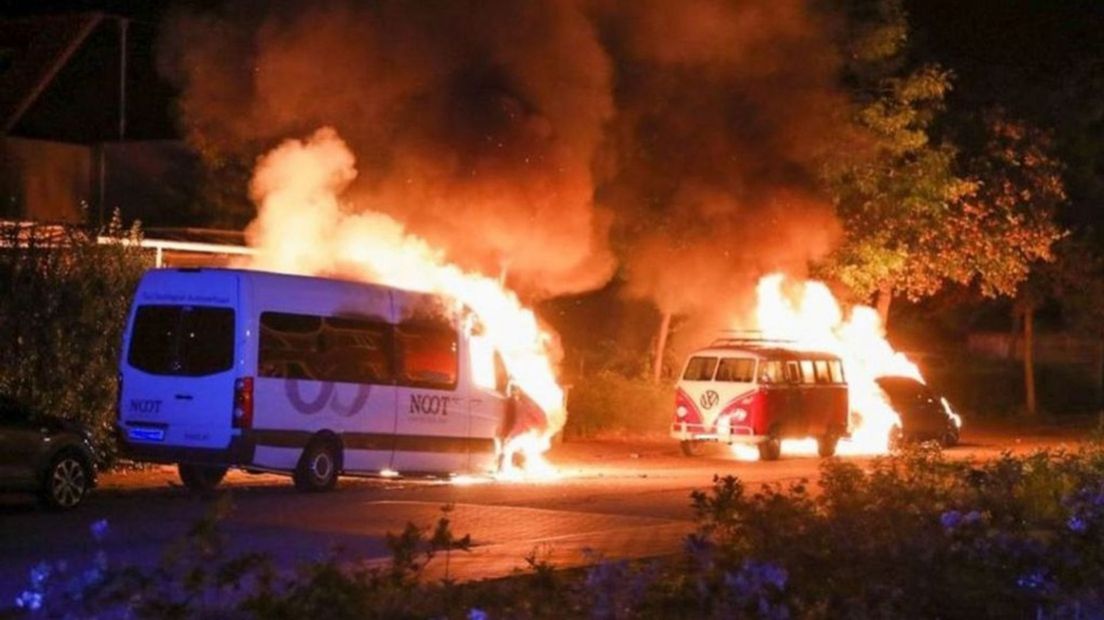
(147, 434)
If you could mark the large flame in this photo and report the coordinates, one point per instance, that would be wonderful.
(811, 318)
(303, 227)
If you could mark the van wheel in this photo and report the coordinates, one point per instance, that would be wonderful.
(770, 449)
(66, 482)
(691, 448)
(826, 445)
(317, 469)
(200, 478)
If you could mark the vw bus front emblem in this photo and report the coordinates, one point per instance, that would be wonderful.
(709, 399)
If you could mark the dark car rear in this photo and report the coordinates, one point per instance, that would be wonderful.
(924, 415)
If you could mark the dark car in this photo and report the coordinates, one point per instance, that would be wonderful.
(49, 456)
(925, 414)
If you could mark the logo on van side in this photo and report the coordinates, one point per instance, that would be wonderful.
(327, 397)
(145, 406)
(428, 405)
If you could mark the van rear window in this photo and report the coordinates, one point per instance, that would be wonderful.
(189, 341)
(700, 369)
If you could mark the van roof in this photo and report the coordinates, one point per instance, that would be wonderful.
(767, 350)
(287, 277)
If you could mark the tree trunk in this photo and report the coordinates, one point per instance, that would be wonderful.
(661, 346)
(1014, 334)
(885, 298)
(1029, 359)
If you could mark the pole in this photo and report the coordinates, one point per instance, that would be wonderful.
(123, 24)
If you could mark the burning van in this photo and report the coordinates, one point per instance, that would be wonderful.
(307, 376)
(759, 392)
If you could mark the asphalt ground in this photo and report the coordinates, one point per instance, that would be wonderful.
(613, 498)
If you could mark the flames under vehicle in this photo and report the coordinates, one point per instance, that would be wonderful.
(760, 392)
(307, 376)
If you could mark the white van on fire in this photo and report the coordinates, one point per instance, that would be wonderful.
(308, 376)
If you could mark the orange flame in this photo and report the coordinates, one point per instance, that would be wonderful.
(303, 227)
(813, 319)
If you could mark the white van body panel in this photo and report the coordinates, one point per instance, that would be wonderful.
(409, 424)
(161, 408)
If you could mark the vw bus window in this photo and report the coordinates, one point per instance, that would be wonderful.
(822, 373)
(793, 373)
(771, 372)
(835, 369)
(734, 369)
(700, 369)
(807, 375)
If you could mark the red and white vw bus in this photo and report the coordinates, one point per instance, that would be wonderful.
(760, 392)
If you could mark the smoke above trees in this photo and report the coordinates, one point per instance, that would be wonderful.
(558, 142)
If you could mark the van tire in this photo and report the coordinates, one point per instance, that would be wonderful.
(770, 449)
(318, 467)
(691, 448)
(826, 444)
(200, 478)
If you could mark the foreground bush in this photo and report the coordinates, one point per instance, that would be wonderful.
(65, 300)
(910, 536)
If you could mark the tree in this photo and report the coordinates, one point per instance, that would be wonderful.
(916, 213)
(62, 314)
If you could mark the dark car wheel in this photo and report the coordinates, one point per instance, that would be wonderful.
(317, 470)
(950, 436)
(896, 438)
(200, 478)
(66, 482)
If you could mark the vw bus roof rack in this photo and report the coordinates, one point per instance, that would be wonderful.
(747, 337)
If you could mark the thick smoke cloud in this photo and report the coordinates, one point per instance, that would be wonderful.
(535, 136)
(726, 111)
(474, 123)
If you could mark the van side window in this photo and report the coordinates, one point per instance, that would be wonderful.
(315, 348)
(700, 369)
(771, 372)
(736, 370)
(822, 373)
(427, 354)
(793, 372)
(188, 341)
(835, 368)
(807, 375)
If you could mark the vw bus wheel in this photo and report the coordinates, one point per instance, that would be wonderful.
(770, 449)
(691, 448)
(317, 470)
(200, 478)
(826, 445)
(66, 482)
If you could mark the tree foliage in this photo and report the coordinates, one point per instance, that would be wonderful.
(62, 315)
(918, 213)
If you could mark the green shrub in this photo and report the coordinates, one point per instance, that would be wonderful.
(62, 312)
(607, 402)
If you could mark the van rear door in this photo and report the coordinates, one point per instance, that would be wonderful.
(179, 366)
